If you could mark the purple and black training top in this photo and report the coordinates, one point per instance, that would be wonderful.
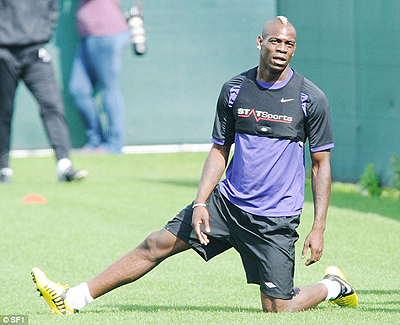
(269, 124)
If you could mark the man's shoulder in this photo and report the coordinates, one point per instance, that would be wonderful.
(238, 79)
(313, 92)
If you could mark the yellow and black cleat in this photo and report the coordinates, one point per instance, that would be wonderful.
(53, 293)
(347, 296)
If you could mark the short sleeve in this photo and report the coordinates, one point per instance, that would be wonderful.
(318, 121)
(224, 122)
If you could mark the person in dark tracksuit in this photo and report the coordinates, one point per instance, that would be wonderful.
(25, 27)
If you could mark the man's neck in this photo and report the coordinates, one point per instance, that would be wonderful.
(272, 76)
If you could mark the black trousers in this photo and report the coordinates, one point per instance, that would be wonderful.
(23, 63)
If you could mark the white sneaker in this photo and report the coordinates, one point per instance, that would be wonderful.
(5, 175)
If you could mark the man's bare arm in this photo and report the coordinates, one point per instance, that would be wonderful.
(321, 188)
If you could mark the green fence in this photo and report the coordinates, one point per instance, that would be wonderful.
(171, 92)
(347, 47)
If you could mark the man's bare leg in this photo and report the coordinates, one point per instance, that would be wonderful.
(305, 297)
(154, 249)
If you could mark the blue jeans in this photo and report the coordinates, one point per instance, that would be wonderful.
(97, 66)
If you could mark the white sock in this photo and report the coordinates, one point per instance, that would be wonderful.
(62, 165)
(79, 296)
(333, 288)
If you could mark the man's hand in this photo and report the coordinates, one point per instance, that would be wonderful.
(201, 216)
(213, 168)
(314, 241)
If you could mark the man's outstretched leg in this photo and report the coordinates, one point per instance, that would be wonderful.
(154, 249)
(334, 287)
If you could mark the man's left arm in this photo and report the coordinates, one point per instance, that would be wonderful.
(321, 188)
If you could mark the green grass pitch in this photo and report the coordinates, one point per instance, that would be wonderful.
(85, 226)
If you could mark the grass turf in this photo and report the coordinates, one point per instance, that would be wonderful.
(85, 226)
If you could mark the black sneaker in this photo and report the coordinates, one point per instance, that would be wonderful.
(5, 175)
(73, 175)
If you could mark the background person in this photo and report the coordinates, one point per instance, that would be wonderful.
(25, 26)
(268, 111)
(97, 65)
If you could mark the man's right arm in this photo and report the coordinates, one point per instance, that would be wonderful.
(223, 136)
(213, 170)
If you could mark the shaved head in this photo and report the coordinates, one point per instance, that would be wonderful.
(277, 45)
(279, 20)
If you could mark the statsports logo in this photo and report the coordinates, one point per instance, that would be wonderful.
(263, 115)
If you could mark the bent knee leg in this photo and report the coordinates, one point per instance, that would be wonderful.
(275, 305)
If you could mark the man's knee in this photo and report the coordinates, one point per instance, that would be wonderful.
(274, 305)
(158, 245)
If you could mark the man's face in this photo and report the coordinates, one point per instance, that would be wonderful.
(277, 46)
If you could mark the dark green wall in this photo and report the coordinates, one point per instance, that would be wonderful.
(170, 93)
(349, 48)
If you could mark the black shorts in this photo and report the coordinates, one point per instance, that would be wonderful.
(265, 244)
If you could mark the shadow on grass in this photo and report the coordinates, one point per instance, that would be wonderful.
(166, 308)
(174, 182)
(182, 182)
(382, 310)
(367, 306)
(384, 207)
(379, 292)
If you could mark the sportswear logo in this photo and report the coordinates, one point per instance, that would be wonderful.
(283, 100)
(270, 285)
(263, 115)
